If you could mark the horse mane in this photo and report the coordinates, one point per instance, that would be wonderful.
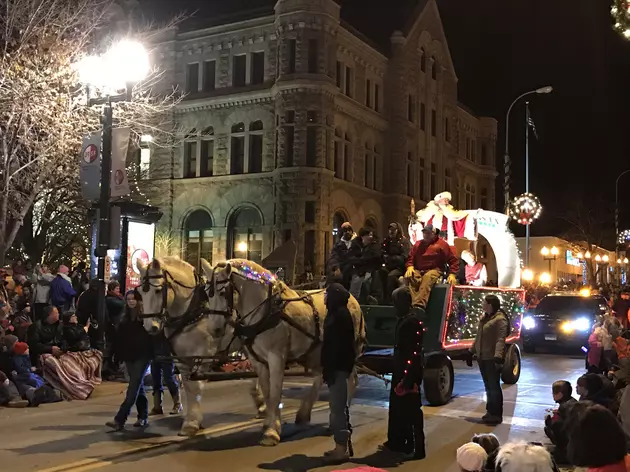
(254, 271)
(174, 263)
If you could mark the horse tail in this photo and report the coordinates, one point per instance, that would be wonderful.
(361, 340)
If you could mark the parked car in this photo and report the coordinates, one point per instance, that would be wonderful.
(563, 320)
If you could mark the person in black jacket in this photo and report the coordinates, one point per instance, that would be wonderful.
(405, 429)
(395, 250)
(134, 347)
(87, 308)
(46, 337)
(340, 257)
(338, 358)
(365, 256)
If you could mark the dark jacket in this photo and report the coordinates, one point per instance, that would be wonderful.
(115, 307)
(87, 306)
(364, 259)
(24, 376)
(408, 358)
(338, 346)
(161, 346)
(43, 336)
(395, 251)
(61, 292)
(491, 334)
(436, 255)
(133, 343)
(76, 337)
(340, 257)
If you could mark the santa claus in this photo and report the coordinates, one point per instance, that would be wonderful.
(440, 214)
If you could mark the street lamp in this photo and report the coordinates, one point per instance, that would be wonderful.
(549, 255)
(545, 278)
(112, 77)
(598, 258)
(587, 255)
(506, 158)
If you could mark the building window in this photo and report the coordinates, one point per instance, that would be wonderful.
(433, 178)
(410, 182)
(367, 158)
(473, 150)
(237, 149)
(468, 194)
(309, 249)
(292, 55)
(338, 155)
(348, 81)
(254, 163)
(434, 69)
(368, 93)
(192, 78)
(433, 123)
(423, 60)
(484, 198)
(311, 138)
(484, 154)
(447, 130)
(448, 180)
(347, 158)
(289, 133)
(198, 238)
(190, 159)
(309, 212)
(258, 68)
(207, 152)
(423, 116)
(245, 235)
(209, 75)
(339, 73)
(144, 166)
(376, 167)
(313, 56)
(377, 97)
(421, 177)
(239, 69)
(411, 108)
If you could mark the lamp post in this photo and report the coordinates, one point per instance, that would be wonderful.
(549, 255)
(111, 76)
(506, 157)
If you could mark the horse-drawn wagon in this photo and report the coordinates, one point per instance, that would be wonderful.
(450, 328)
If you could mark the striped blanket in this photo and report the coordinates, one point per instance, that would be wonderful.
(75, 374)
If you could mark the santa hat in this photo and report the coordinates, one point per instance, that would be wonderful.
(20, 348)
(443, 196)
(471, 457)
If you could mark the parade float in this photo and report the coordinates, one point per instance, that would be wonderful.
(453, 312)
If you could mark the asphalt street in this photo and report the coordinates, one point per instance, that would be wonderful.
(71, 436)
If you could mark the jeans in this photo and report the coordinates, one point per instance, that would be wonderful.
(491, 375)
(358, 282)
(339, 413)
(167, 371)
(135, 392)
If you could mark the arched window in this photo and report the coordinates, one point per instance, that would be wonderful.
(339, 218)
(207, 152)
(347, 158)
(434, 69)
(255, 147)
(338, 154)
(423, 60)
(376, 167)
(190, 154)
(245, 235)
(237, 149)
(198, 238)
(469, 196)
(367, 162)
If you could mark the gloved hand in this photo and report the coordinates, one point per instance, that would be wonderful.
(498, 361)
(451, 279)
(409, 272)
(469, 359)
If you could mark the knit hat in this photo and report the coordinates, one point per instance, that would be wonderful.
(346, 225)
(63, 269)
(20, 348)
(7, 342)
(471, 457)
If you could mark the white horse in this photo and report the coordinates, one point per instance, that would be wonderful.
(172, 296)
(278, 326)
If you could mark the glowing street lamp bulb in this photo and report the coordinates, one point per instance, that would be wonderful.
(618, 261)
(587, 254)
(242, 247)
(598, 258)
(545, 278)
(605, 258)
(544, 251)
(129, 60)
(89, 69)
(554, 251)
(528, 275)
(579, 255)
(625, 260)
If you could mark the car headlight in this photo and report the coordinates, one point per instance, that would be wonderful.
(529, 322)
(581, 324)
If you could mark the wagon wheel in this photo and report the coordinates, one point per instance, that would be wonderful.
(511, 371)
(439, 379)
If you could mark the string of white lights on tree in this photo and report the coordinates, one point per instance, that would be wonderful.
(620, 12)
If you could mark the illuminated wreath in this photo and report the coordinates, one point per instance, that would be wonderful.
(624, 237)
(620, 12)
(525, 209)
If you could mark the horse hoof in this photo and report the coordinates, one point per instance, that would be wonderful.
(261, 414)
(189, 430)
(270, 438)
(302, 420)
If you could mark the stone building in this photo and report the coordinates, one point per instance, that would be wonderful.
(303, 114)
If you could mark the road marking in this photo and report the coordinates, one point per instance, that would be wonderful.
(97, 463)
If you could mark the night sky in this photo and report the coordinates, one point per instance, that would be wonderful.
(504, 48)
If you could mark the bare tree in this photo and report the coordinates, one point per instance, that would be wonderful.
(43, 112)
(588, 229)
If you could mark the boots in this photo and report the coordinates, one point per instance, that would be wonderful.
(157, 405)
(338, 455)
(177, 404)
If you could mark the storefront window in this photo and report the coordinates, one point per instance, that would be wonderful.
(246, 238)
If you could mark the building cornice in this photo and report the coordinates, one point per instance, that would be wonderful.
(359, 112)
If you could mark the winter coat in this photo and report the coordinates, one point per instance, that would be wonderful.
(87, 306)
(115, 307)
(594, 356)
(408, 359)
(132, 343)
(430, 256)
(24, 375)
(364, 259)
(43, 336)
(76, 337)
(338, 346)
(61, 292)
(491, 334)
(395, 252)
(42, 287)
(340, 257)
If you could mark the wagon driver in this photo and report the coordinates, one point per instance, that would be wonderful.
(428, 259)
